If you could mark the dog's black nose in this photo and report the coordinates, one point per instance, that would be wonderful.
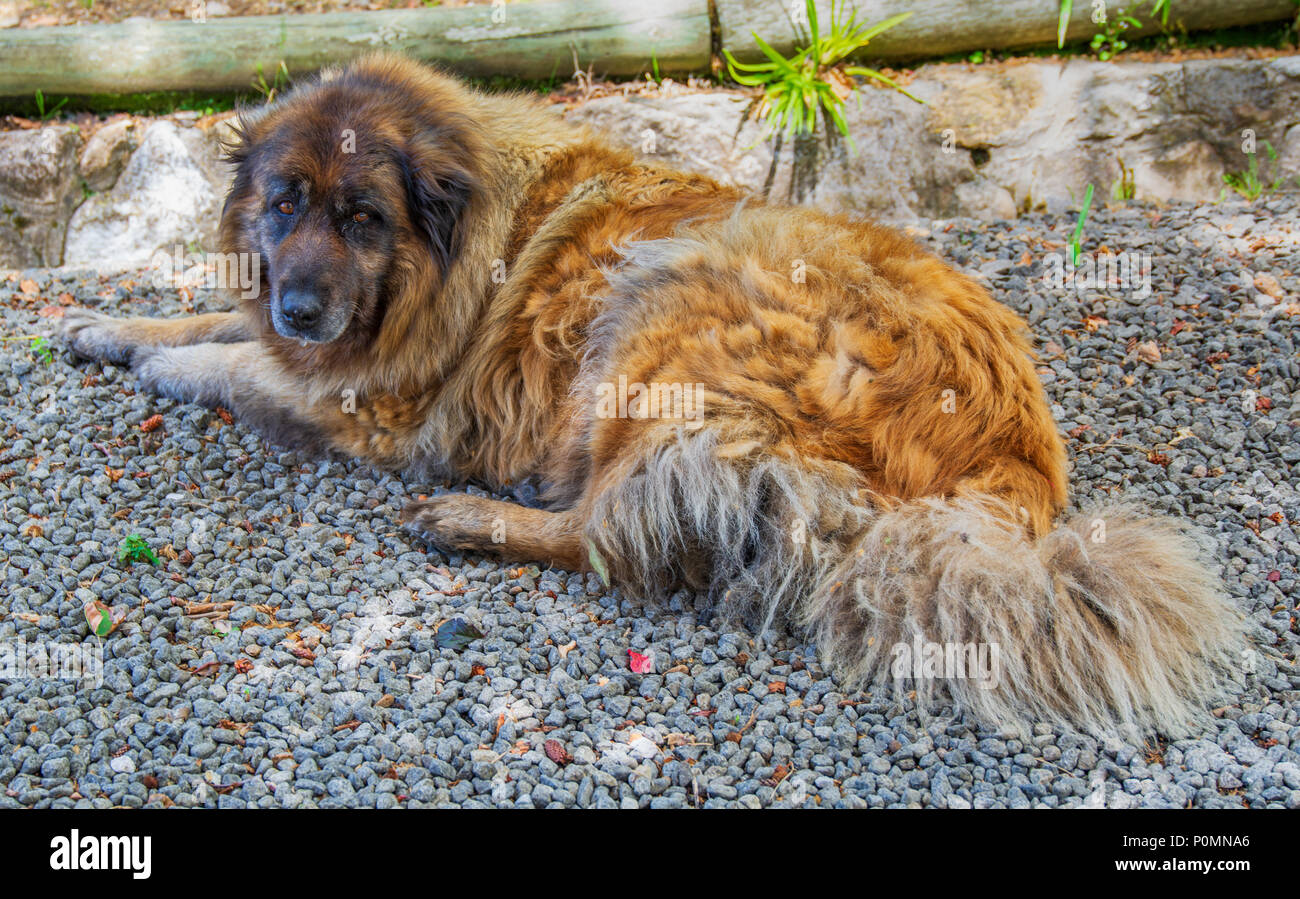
(301, 308)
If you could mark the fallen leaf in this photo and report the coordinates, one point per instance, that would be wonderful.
(1148, 352)
(102, 620)
(1266, 283)
(556, 752)
(456, 633)
(640, 664)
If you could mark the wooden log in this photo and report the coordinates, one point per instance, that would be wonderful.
(940, 27)
(524, 40)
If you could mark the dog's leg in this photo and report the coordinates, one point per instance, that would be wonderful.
(477, 524)
(94, 335)
(243, 378)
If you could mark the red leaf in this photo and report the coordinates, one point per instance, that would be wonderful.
(640, 664)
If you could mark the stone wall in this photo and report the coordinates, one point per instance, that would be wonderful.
(989, 141)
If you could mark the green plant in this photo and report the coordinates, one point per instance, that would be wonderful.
(45, 114)
(815, 78)
(1078, 226)
(1110, 41)
(135, 549)
(1107, 43)
(1248, 183)
(1124, 188)
(1063, 21)
(40, 346)
(278, 83)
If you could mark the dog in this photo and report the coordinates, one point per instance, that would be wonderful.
(806, 416)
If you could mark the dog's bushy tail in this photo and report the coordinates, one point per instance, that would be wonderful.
(1109, 623)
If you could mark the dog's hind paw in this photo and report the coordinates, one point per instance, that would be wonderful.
(94, 335)
(451, 521)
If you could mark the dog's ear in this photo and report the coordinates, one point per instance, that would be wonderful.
(438, 190)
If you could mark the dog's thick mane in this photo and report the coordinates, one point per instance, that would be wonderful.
(469, 160)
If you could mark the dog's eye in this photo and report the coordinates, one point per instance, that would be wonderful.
(285, 207)
(361, 217)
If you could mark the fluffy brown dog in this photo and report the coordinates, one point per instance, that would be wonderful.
(804, 414)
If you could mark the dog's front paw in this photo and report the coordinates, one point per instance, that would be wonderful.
(165, 371)
(93, 335)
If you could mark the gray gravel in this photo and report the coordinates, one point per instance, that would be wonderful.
(369, 712)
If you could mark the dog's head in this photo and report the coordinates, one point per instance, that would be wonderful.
(349, 186)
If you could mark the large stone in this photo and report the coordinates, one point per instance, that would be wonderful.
(38, 191)
(994, 139)
(989, 141)
(107, 151)
(700, 132)
(163, 199)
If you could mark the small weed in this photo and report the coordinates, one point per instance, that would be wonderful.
(279, 82)
(135, 549)
(40, 346)
(1110, 41)
(1248, 183)
(1078, 226)
(1123, 189)
(47, 114)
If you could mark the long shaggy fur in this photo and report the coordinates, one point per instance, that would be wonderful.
(873, 459)
(1109, 622)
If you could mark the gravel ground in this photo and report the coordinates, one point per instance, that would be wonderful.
(325, 687)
